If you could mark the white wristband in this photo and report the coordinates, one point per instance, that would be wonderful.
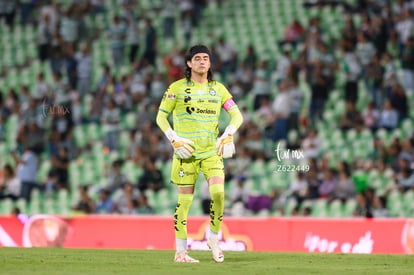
(171, 135)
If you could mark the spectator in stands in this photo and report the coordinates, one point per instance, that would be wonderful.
(399, 101)
(44, 37)
(314, 184)
(168, 22)
(69, 26)
(296, 100)
(407, 150)
(84, 70)
(41, 88)
(379, 152)
(27, 167)
(293, 33)
(143, 207)
(127, 202)
(111, 117)
(227, 55)
(284, 64)
(281, 108)
(26, 9)
(10, 184)
(85, 205)
(345, 189)
(370, 116)
(388, 116)
(405, 181)
(379, 207)
(243, 75)
(239, 196)
(152, 178)
(105, 204)
(264, 117)
(353, 70)
(298, 189)
(62, 123)
(60, 166)
(328, 184)
(311, 145)
(116, 178)
(407, 63)
(351, 118)
(150, 43)
(390, 73)
(364, 50)
(373, 80)
(319, 92)
(261, 83)
(117, 34)
(250, 58)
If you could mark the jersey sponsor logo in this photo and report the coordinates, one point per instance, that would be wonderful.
(213, 101)
(190, 110)
(206, 111)
(212, 92)
(187, 91)
(187, 99)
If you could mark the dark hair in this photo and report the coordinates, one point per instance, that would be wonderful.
(193, 51)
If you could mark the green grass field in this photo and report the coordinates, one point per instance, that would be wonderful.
(41, 261)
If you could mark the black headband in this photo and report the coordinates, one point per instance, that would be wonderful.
(197, 49)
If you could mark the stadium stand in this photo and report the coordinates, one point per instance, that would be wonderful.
(325, 64)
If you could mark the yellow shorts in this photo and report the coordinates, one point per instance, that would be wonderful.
(185, 171)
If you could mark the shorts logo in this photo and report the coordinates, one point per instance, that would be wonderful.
(181, 173)
(190, 110)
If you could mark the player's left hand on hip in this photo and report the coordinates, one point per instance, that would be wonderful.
(225, 144)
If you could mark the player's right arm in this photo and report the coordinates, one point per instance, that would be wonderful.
(182, 146)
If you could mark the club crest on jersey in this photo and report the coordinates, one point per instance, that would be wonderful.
(212, 92)
(171, 96)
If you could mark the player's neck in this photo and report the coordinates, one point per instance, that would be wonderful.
(199, 78)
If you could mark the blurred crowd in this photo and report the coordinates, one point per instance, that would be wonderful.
(374, 49)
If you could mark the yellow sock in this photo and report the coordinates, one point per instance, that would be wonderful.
(216, 206)
(181, 214)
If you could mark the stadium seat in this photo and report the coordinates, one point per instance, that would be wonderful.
(319, 208)
(335, 209)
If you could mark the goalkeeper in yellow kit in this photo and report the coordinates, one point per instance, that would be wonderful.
(195, 103)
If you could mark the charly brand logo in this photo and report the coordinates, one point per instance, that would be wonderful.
(54, 109)
(288, 160)
(187, 99)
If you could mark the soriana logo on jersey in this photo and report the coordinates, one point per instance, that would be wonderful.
(228, 241)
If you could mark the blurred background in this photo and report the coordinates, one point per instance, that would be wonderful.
(328, 84)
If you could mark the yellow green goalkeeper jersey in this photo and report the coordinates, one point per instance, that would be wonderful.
(196, 109)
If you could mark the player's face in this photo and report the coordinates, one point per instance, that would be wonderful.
(200, 63)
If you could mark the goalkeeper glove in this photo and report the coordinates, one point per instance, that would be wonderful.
(225, 145)
(182, 146)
